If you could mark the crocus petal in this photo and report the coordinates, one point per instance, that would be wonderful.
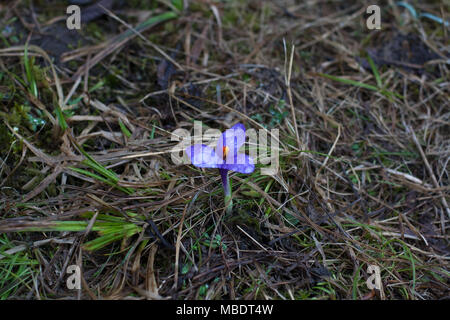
(203, 156)
(242, 163)
(232, 138)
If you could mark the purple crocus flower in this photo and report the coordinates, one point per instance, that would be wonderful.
(226, 157)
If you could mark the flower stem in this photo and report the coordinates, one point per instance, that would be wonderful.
(227, 190)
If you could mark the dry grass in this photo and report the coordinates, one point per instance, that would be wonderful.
(363, 176)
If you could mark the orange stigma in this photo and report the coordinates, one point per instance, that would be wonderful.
(225, 150)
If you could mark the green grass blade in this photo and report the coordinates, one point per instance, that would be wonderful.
(355, 282)
(29, 72)
(144, 25)
(99, 178)
(61, 119)
(178, 4)
(124, 129)
(384, 92)
(350, 82)
(375, 72)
